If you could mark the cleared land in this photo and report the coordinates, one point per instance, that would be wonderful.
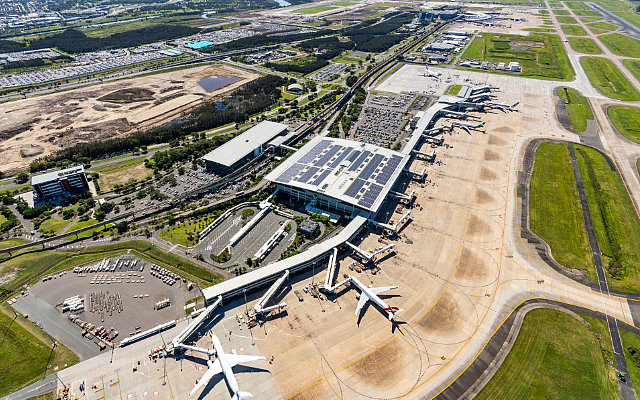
(578, 107)
(23, 355)
(608, 79)
(554, 208)
(584, 45)
(556, 356)
(37, 126)
(575, 30)
(614, 220)
(626, 120)
(621, 45)
(121, 173)
(540, 55)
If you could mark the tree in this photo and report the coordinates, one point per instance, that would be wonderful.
(351, 80)
(99, 215)
(122, 226)
(22, 177)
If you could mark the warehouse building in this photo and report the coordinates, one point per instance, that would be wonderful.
(243, 148)
(339, 176)
(58, 185)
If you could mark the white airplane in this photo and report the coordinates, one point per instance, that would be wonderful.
(224, 364)
(468, 124)
(371, 294)
(430, 74)
(502, 106)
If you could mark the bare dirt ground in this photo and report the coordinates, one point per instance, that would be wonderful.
(34, 127)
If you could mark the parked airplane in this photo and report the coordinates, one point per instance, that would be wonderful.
(502, 106)
(430, 74)
(371, 294)
(467, 124)
(224, 364)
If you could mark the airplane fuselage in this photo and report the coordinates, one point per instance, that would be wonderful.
(227, 371)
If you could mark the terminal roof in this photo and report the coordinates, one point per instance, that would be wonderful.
(357, 173)
(240, 146)
(56, 175)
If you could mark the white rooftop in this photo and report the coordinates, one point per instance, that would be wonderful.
(356, 173)
(56, 175)
(240, 146)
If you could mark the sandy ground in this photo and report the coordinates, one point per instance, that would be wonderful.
(34, 127)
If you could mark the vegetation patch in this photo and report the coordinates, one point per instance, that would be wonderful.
(575, 30)
(608, 79)
(622, 45)
(315, 10)
(614, 219)
(566, 20)
(578, 108)
(542, 30)
(186, 234)
(626, 120)
(561, 12)
(633, 66)
(453, 89)
(584, 45)
(554, 208)
(603, 26)
(556, 356)
(24, 356)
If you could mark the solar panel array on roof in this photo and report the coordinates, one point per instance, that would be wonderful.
(289, 173)
(327, 156)
(313, 153)
(391, 165)
(354, 155)
(369, 197)
(355, 187)
(307, 174)
(371, 166)
(321, 177)
(360, 160)
(341, 157)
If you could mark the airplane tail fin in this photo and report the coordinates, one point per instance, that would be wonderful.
(242, 395)
(392, 311)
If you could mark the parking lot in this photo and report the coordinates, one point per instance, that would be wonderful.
(218, 239)
(329, 72)
(120, 293)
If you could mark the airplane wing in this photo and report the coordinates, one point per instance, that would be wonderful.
(214, 369)
(361, 303)
(235, 359)
(377, 290)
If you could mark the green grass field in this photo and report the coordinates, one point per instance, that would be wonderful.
(608, 79)
(626, 120)
(584, 45)
(11, 242)
(630, 339)
(344, 4)
(120, 166)
(453, 89)
(561, 12)
(22, 267)
(620, 8)
(542, 30)
(633, 66)
(185, 234)
(621, 45)
(540, 55)
(603, 26)
(53, 226)
(566, 20)
(579, 7)
(578, 108)
(575, 30)
(23, 355)
(614, 220)
(315, 10)
(556, 356)
(554, 208)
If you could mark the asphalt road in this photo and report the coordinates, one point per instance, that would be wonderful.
(57, 325)
(626, 387)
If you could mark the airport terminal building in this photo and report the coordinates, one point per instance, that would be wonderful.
(340, 176)
(243, 148)
(59, 184)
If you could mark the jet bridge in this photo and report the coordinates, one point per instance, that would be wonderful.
(195, 324)
(369, 256)
(428, 156)
(393, 228)
(260, 308)
(331, 270)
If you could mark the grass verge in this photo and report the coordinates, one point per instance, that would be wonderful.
(556, 356)
(584, 45)
(608, 79)
(554, 208)
(614, 220)
(621, 45)
(578, 108)
(626, 120)
(575, 30)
